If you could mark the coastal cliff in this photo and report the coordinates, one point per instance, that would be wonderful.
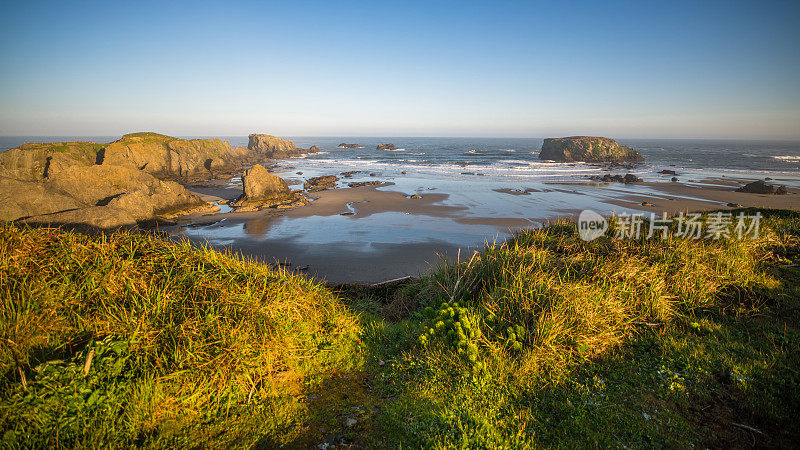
(587, 149)
(123, 183)
(169, 157)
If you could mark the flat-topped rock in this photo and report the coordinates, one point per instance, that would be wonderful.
(389, 146)
(587, 149)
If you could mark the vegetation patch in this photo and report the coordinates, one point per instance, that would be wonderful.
(544, 340)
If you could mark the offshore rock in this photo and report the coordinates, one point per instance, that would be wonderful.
(587, 149)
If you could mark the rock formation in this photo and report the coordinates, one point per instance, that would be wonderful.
(608, 178)
(262, 189)
(389, 146)
(32, 162)
(320, 183)
(587, 149)
(95, 196)
(343, 145)
(761, 187)
(168, 157)
(364, 183)
(126, 182)
(273, 147)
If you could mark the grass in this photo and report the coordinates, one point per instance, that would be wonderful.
(149, 135)
(544, 340)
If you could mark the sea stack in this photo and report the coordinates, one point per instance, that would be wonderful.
(274, 147)
(587, 149)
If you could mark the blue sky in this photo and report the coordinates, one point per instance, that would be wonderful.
(620, 69)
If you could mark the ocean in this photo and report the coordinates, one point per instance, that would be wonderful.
(518, 158)
(484, 189)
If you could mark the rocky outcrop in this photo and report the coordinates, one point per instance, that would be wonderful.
(168, 157)
(20, 199)
(130, 179)
(343, 145)
(587, 149)
(761, 187)
(93, 217)
(272, 147)
(262, 189)
(140, 194)
(100, 196)
(33, 162)
(320, 183)
(389, 146)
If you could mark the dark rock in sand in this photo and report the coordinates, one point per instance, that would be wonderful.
(415, 196)
(674, 179)
(647, 204)
(668, 172)
(760, 187)
(403, 172)
(734, 205)
(319, 183)
(349, 174)
(389, 146)
(631, 178)
(608, 178)
(767, 179)
(372, 174)
(587, 149)
(364, 183)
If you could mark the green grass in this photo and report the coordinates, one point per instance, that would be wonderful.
(184, 340)
(149, 135)
(83, 148)
(542, 341)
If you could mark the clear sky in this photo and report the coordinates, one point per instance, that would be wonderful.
(621, 69)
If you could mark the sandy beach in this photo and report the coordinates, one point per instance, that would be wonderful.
(373, 233)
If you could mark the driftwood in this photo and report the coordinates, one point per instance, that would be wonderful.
(746, 427)
(88, 362)
(394, 281)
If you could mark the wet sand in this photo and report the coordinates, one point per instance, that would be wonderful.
(374, 233)
(695, 197)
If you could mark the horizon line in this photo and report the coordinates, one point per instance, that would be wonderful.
(211, 136)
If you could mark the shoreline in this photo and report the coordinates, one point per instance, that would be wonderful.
(370, 234)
